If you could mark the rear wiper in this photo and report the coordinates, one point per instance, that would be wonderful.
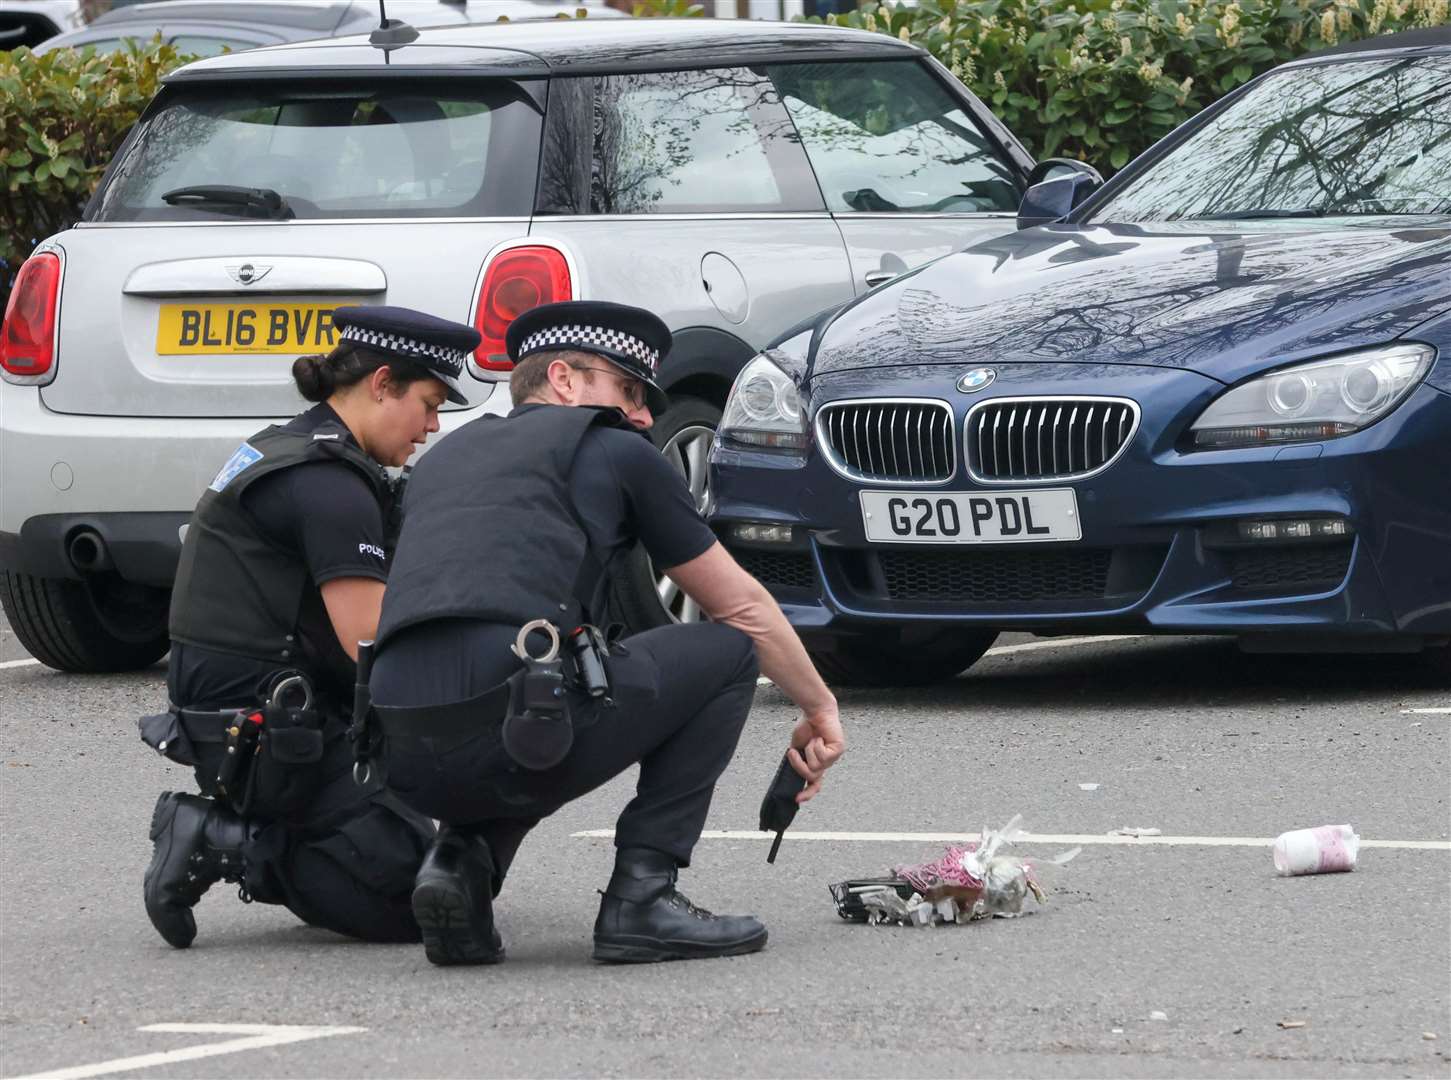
(1250, 215)
(254, 202)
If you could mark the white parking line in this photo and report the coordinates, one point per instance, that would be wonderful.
(1110, 840)
(258, 1037)
(1421, 712)
(17, 663)
(1058, 643)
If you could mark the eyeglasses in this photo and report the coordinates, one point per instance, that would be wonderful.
(632, 388)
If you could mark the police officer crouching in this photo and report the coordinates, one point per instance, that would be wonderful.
(500, 702)
(281, 574)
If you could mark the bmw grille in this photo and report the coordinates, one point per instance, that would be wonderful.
(1018, 440)
(902, 441)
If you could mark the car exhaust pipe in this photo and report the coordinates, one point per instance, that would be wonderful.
(88, 552)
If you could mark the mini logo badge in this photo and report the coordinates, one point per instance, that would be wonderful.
(976, 379)
(248, 273)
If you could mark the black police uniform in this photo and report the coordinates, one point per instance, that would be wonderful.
(524, 517)
(296, 506)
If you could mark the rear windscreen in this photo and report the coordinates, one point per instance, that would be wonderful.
(417, 150)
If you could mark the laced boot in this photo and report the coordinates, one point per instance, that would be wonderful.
(453, 901)
(196, 842)
(644, 918)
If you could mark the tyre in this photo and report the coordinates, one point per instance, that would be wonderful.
(642, 598)
(100, 624)
(902, 657)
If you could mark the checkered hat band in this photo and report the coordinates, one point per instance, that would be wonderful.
(591, 337)
(451, 361)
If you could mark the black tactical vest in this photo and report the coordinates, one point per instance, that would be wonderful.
(489, 528)
(236, 591)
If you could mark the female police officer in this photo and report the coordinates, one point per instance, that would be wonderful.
(521, 518)
(281, 574)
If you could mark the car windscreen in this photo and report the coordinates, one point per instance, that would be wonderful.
(1364, 137)
(417, 149)
(887, 137)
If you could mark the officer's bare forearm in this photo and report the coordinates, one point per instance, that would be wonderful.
(729, 595)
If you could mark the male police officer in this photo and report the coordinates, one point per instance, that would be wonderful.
(523, 518)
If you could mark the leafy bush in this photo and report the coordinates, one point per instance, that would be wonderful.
(1100, 80)
(62, 115)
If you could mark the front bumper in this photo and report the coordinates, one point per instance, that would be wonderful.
(1151, 558)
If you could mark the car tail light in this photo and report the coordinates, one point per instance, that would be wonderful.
(27, 341)
(518, 279)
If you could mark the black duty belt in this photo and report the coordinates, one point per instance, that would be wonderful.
(204, 725)
(444, 721)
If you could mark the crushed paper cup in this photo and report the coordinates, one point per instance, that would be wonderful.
(1330, 849)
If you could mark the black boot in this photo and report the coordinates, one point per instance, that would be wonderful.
(196, 843)
(453, 901)
(643, 917)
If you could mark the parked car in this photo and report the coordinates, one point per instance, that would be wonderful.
(727, 175)
(26, 23)
(1215, 399)
(210, 27)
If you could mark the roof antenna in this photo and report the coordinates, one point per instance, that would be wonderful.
(391, 33)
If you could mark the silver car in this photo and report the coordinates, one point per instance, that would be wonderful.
(734, 177)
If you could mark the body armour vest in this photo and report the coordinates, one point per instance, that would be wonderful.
(236, 591)
(489, 529)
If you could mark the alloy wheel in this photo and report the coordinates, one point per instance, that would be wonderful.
(688, 450)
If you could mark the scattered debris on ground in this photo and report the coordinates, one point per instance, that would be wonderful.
(978, 880)
(1329, 849)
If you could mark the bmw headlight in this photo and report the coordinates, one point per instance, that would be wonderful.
(764, 408)
(1323, 399)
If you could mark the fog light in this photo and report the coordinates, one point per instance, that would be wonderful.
(1294, 529)
(762, 534)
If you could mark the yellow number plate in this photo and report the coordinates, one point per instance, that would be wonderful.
(189, 329)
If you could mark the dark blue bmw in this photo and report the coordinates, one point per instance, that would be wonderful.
(1213, 397)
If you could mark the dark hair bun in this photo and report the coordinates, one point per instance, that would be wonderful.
(314, 376)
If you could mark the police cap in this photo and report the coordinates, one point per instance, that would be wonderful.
(632, 339)
(439, 345)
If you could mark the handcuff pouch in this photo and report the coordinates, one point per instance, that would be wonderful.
(538, 731)
(286, 769)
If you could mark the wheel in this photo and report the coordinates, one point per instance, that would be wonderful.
(644, 599)
(909, 656)
(101, 624)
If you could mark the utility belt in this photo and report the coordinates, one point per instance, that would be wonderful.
(271, 753)
(538, 729)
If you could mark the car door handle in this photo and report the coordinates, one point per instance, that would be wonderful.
(879, 277)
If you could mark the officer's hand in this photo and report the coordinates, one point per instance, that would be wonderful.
(816, 743)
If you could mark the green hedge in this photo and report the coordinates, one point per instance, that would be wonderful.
(62, 115)
(1100, 80)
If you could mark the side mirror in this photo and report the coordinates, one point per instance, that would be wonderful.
(1056, 186)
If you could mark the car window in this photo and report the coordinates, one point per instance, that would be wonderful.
(394, 150)
(887, 136)
(104, 46)
(202, 45)
(1361, 137)
(695, 142)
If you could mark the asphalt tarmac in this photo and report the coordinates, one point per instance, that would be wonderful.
(1178, 955)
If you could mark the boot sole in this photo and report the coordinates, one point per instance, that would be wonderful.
(449, 934)
(629, 949)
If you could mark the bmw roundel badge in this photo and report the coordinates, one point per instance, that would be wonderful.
(976, 379)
